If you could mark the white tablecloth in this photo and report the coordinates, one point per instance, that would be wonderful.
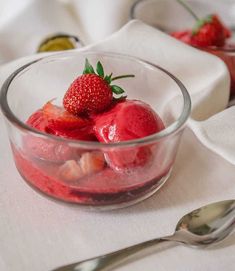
(38, 234)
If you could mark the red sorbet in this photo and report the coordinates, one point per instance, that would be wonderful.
(127, 120)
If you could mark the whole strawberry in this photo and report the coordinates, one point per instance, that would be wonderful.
(209, 32)
(91, 92)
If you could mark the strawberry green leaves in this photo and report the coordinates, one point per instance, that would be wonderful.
(200, 23)
(117, 90)
(108, 78)
(88, 68)
(100, 69)
(208, 31)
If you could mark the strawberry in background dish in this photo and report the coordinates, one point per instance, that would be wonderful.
(207, 31)
(210, 34)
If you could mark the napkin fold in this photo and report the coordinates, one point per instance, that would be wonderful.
(100, 19)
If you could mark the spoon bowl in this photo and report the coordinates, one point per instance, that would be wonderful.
(208, 224)
(202, 227)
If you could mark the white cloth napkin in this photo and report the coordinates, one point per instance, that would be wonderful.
(24, 24)
(101, 18)
(37, 234)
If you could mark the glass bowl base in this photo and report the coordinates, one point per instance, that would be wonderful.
(146, 193)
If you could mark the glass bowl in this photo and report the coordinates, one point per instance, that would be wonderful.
(169, 16)
(42, 159)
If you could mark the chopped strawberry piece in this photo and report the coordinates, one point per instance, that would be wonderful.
(62, 123)
(49, 149)
(46, 149)
(92, 162)
(184, 36)
(85, 134)
(61, 120)
(37, 121)
(70, 171)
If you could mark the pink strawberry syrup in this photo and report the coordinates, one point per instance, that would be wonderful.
(107, 187)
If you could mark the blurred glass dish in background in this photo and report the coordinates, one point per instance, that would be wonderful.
(171, 16)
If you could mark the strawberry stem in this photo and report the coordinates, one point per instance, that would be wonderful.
(181, 2)
(122, 76)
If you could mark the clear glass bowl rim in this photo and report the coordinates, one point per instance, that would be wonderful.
(213, 48)
(168, 131)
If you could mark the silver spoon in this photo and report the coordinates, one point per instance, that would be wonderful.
(200, 228)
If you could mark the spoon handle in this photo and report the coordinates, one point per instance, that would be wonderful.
(111, 260)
